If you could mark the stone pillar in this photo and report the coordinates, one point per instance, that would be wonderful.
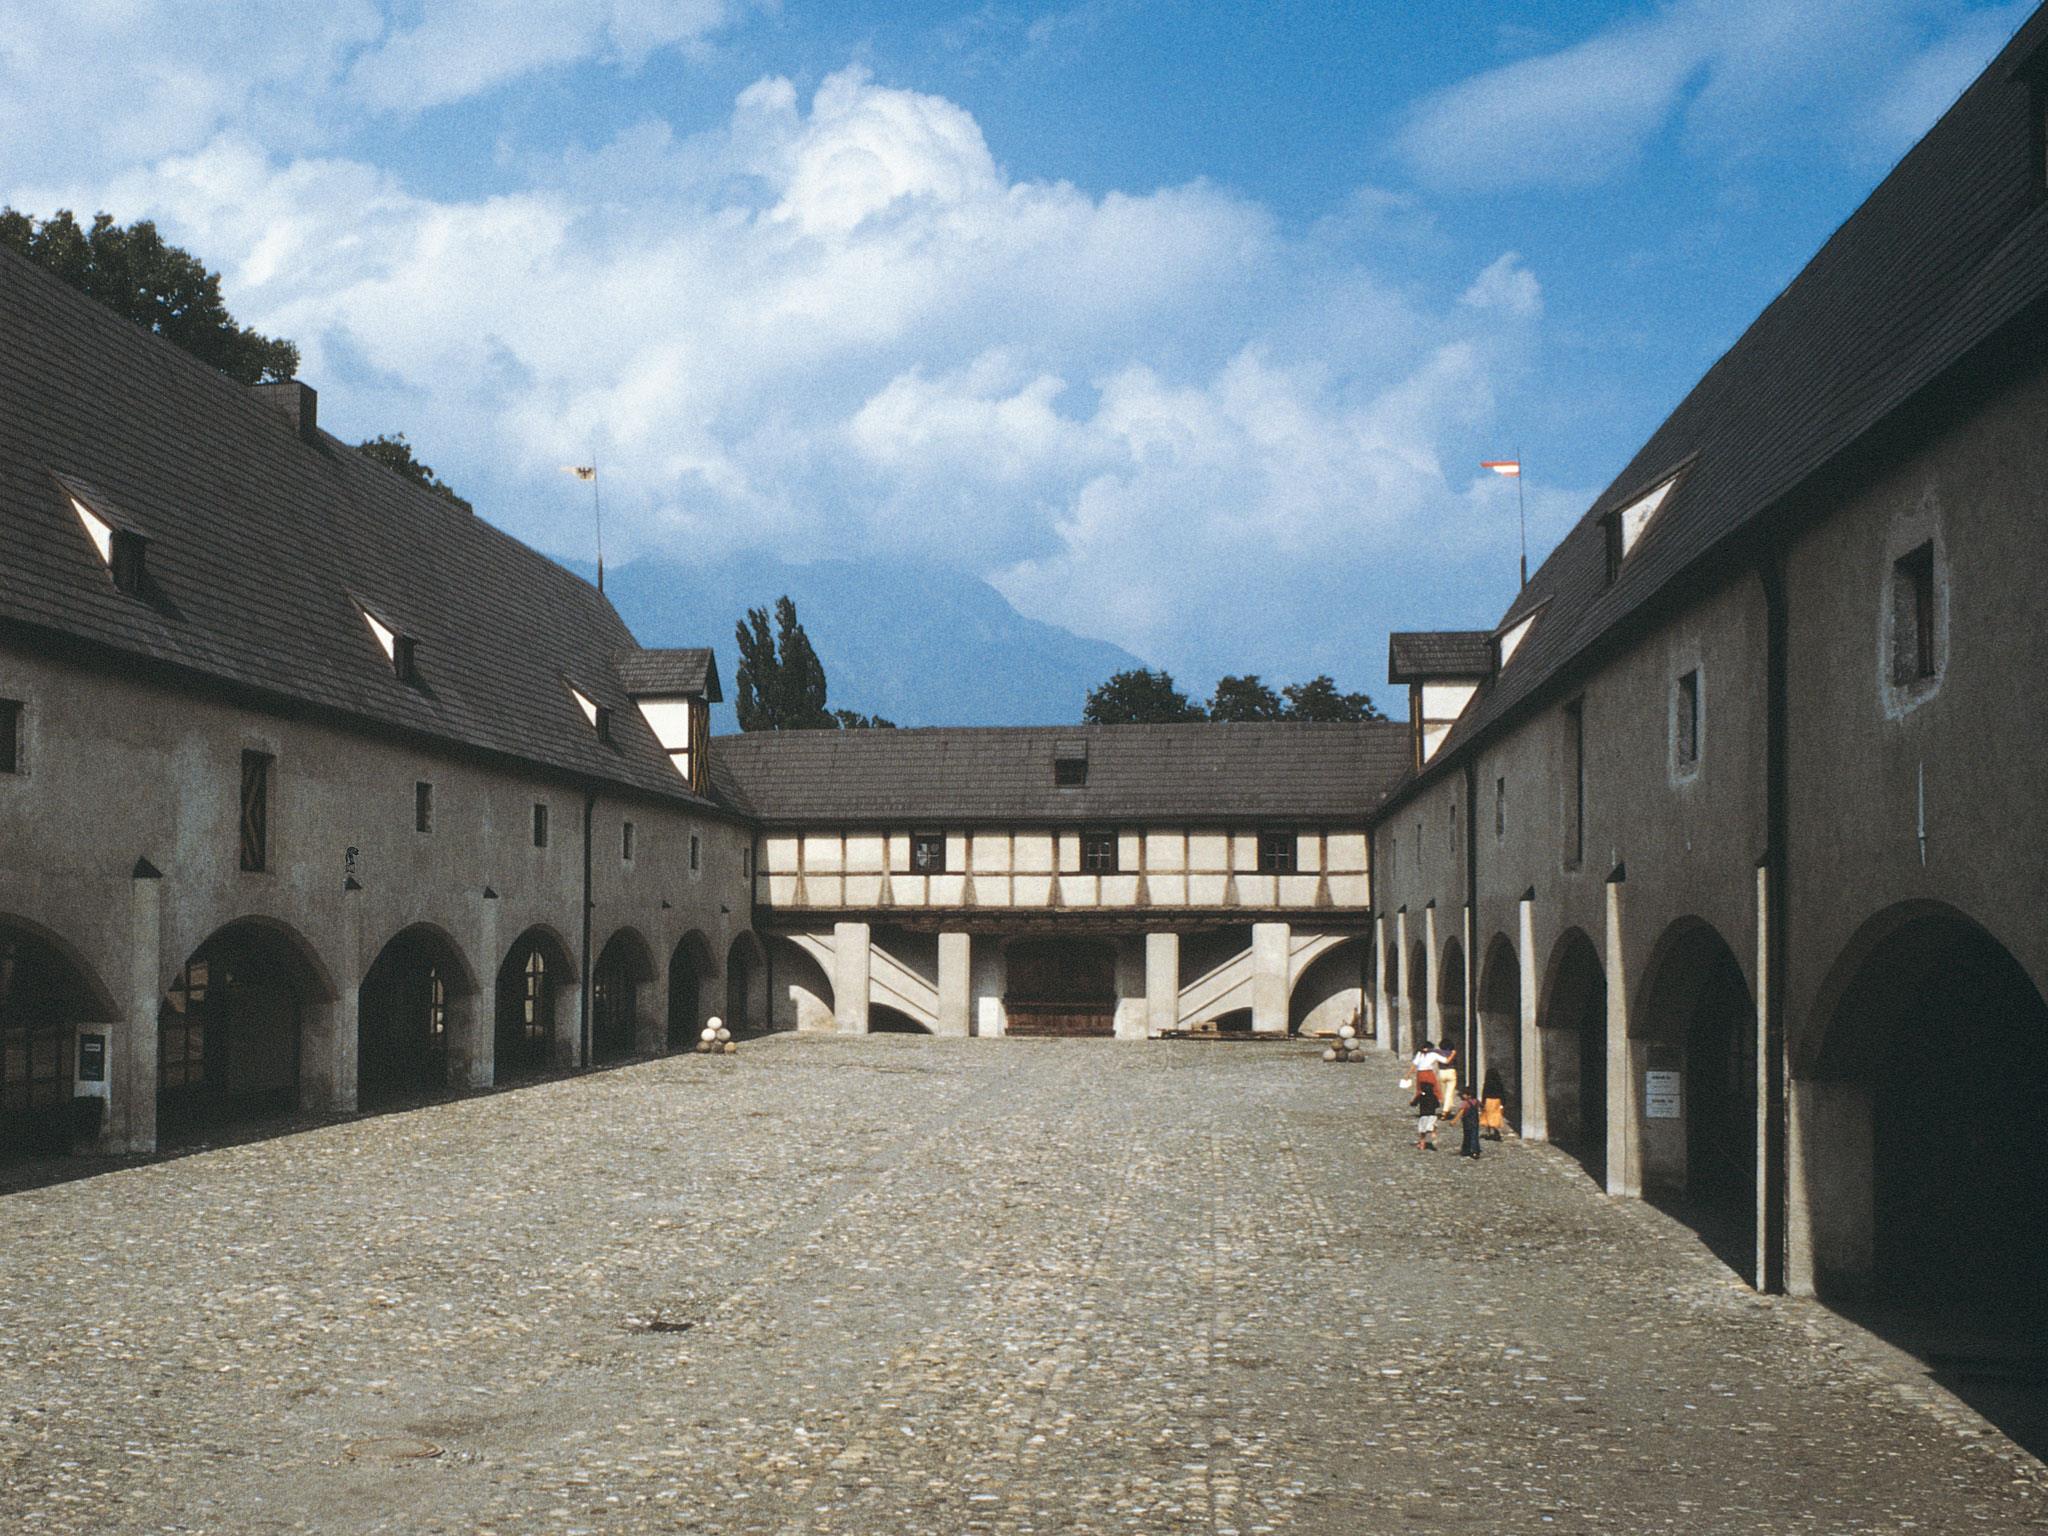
(1269, 978)
(1404, 1023)
(568, 1016)
(473, 1021)
(852, 961)
(130, 1086)
(1432, 1005)
(991, 972)
(1132, 1008)
(327, 1047)
(1759, 1275)
(1383, 1016)
(956, 984)
(1624, 1171)
(1535, 1107)
(1162, 983)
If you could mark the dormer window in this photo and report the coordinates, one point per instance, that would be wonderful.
(1510, 640)
(598, 715)
(1626, 527)
(401, 650)
(120, 549)
(1070, 765)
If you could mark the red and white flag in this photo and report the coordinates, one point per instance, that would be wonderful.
(1508, 467)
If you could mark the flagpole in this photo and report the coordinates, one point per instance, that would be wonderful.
(597, 511)
(1521, 512)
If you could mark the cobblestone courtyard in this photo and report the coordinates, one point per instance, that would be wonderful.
(905, 1285)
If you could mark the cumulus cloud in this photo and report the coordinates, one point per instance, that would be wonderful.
(834, 326)
(1714, 70)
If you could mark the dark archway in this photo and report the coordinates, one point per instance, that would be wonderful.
(537, 970)
(1331, 991)
(1061, 987)
(1450, 1002)
(688, 966)
(44, 996)
(231, 1028)
(1697, 1145)
(1925, 1188)
(410, 1007)
(1418, 995)
(746, 985)
(1573, 1020)
(892, 1021)
(623, 970)
(1500, 1024)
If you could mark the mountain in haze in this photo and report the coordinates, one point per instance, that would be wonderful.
(919, 643)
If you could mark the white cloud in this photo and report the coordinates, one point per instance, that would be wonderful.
(834, 326)
(1716, 69)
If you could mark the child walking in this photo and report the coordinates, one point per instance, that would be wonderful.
(1468, 1117)
(1426, 1105)
(1493, 1109)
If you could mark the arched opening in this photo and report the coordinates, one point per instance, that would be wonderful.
(230, 1034)
(44, 997)
(1695, 1048)
(1330, 993)
(688, 966)
(1061, 987)
(1924, 1191)
(1574, 1024)
(884, 1020)
(803, 988)
(623, 971)
(1450, 1002)
(746, 985)
(411, 1008)
(1418, 994)
(1500, 1026)
(537, 971)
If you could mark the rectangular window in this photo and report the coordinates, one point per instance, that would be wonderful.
(1098, 853)
(126, 561)
(1500, 809)
(255, 817)
(405, 658)
(928, 853)
(10, 736)
(1575, 783)
(423, 807)
(747, 862)
(1452, 841)
(1070, 772)
(1913, 658)
(603, 723)
(1688, 720)
(540, 825)
(1276, 853)
(626, 843)
(693, 850)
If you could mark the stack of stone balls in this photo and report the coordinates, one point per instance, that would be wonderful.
(716, 1039)
(1348, 1047)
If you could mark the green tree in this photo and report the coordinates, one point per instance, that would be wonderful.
(853, 720)
(780, 683)
(1244, 698)
(394, 452)
(140, 276)
(1318, 699)
(1140, 697)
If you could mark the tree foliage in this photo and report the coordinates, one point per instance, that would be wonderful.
(1244, 698)
(780, 683)
(137, 274)
(1140, 697)
(1318, 699)
(854, 720)
(394, 452)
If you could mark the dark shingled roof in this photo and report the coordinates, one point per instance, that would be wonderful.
(263, 546)
(1949, 249)
(1422, 655)
(658, 672)
(1136, 773)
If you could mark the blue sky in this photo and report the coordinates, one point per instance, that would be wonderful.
(1184, 325)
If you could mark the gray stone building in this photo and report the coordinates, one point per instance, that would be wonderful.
(1734, 860)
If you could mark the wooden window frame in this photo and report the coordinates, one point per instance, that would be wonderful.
(1279, 851)
(1099, 853)
(1914, 652)
(935, 841)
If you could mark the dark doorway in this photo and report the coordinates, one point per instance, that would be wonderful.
(529, 988)
(1418, 995)
(228, 1033)
(743, 962)
(1574, 1024)
(687, 967)
(1450, 1002)
(402, 1020)
(1061, 987)
(622, 969)
(891, 1021)
(42, 1000)
(1500, 1025)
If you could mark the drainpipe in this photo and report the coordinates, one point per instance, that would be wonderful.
(589, 815)
(1377, 990)
(1472, 913)
(1777, 720)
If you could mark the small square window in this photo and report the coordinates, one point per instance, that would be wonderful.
(423, 807)
(540, 826)
(1070, 772)
(928, 853)
(626, 842)
(1686, 720)
(10, 736)
(255, 818)
(1913, 647)
(1098, 853)
(693, 851)
(1276, 853)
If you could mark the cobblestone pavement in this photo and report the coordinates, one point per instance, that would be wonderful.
(903, 1285)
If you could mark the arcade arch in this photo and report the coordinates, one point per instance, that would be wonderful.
(746, 984)
(689, 965)
(46, 991)
(234, 1028)
(1450, 1002)
(618, 984)
(414, 1006)
(1573, 1021)
(1500, 1024)
(537, 976)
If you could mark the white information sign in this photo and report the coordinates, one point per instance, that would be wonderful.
(1661, 1095)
